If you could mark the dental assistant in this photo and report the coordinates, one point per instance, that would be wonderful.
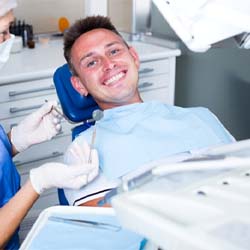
(39, 126)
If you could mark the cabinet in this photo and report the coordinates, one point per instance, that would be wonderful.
(26, 82)
(156, 80)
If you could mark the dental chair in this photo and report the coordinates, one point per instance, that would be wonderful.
(76, 108)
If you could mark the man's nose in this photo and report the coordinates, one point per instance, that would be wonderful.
(108, 63)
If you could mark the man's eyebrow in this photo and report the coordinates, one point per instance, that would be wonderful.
(86, 56)
(106, 46)
(113, 43)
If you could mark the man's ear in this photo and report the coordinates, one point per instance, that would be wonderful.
(135, 56)
(78, 86)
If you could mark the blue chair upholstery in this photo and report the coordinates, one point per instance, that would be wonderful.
(76, 107)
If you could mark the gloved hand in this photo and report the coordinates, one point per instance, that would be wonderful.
(37, 127)
(67, 176)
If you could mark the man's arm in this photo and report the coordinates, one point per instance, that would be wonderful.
(94, 203)
(15, 210)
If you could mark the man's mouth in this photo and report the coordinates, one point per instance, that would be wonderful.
(114, 78)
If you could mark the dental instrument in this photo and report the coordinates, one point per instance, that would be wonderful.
(56, 108)
(63, 115)
(86, 223)
(96, 116)
(92, 144)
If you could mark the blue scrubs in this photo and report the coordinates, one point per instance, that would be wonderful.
(9, 180)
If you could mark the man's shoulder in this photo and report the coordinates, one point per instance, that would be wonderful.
(201, 111)
(178, 109)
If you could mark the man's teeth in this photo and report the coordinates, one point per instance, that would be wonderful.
(114, 78)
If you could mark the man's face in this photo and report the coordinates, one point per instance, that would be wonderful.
(5, 22)
(106, 68)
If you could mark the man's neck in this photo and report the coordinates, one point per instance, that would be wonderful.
(109, 105)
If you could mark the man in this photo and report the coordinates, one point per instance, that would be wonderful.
(39, 126)
(132, 133)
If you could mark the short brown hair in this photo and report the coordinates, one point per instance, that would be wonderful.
(82, 26)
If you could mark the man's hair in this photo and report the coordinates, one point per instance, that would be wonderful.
(82, 26)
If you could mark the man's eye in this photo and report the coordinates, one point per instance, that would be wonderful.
(114, 51)
(91, 63)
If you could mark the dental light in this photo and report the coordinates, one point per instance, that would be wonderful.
(201, 23)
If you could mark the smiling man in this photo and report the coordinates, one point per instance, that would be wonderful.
(105, 67)
(132, 132)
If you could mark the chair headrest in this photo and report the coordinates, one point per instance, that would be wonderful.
(75, 106)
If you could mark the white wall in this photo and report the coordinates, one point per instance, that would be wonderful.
(44, 14)
(121, 14)
(95, 7)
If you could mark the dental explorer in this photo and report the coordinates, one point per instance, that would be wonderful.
(96, 116)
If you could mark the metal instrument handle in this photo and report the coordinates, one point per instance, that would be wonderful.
(86, 223)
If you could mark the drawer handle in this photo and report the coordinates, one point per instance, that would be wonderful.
(47, 157)
(16, 110)
(146, 70)
(15, 93)
(145, 85)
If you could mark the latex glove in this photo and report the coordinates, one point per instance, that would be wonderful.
(80, 154)
(37, 127)
(60, 175)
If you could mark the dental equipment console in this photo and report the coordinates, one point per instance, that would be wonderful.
(197, 203)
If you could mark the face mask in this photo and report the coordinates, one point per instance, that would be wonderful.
(5, 49)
